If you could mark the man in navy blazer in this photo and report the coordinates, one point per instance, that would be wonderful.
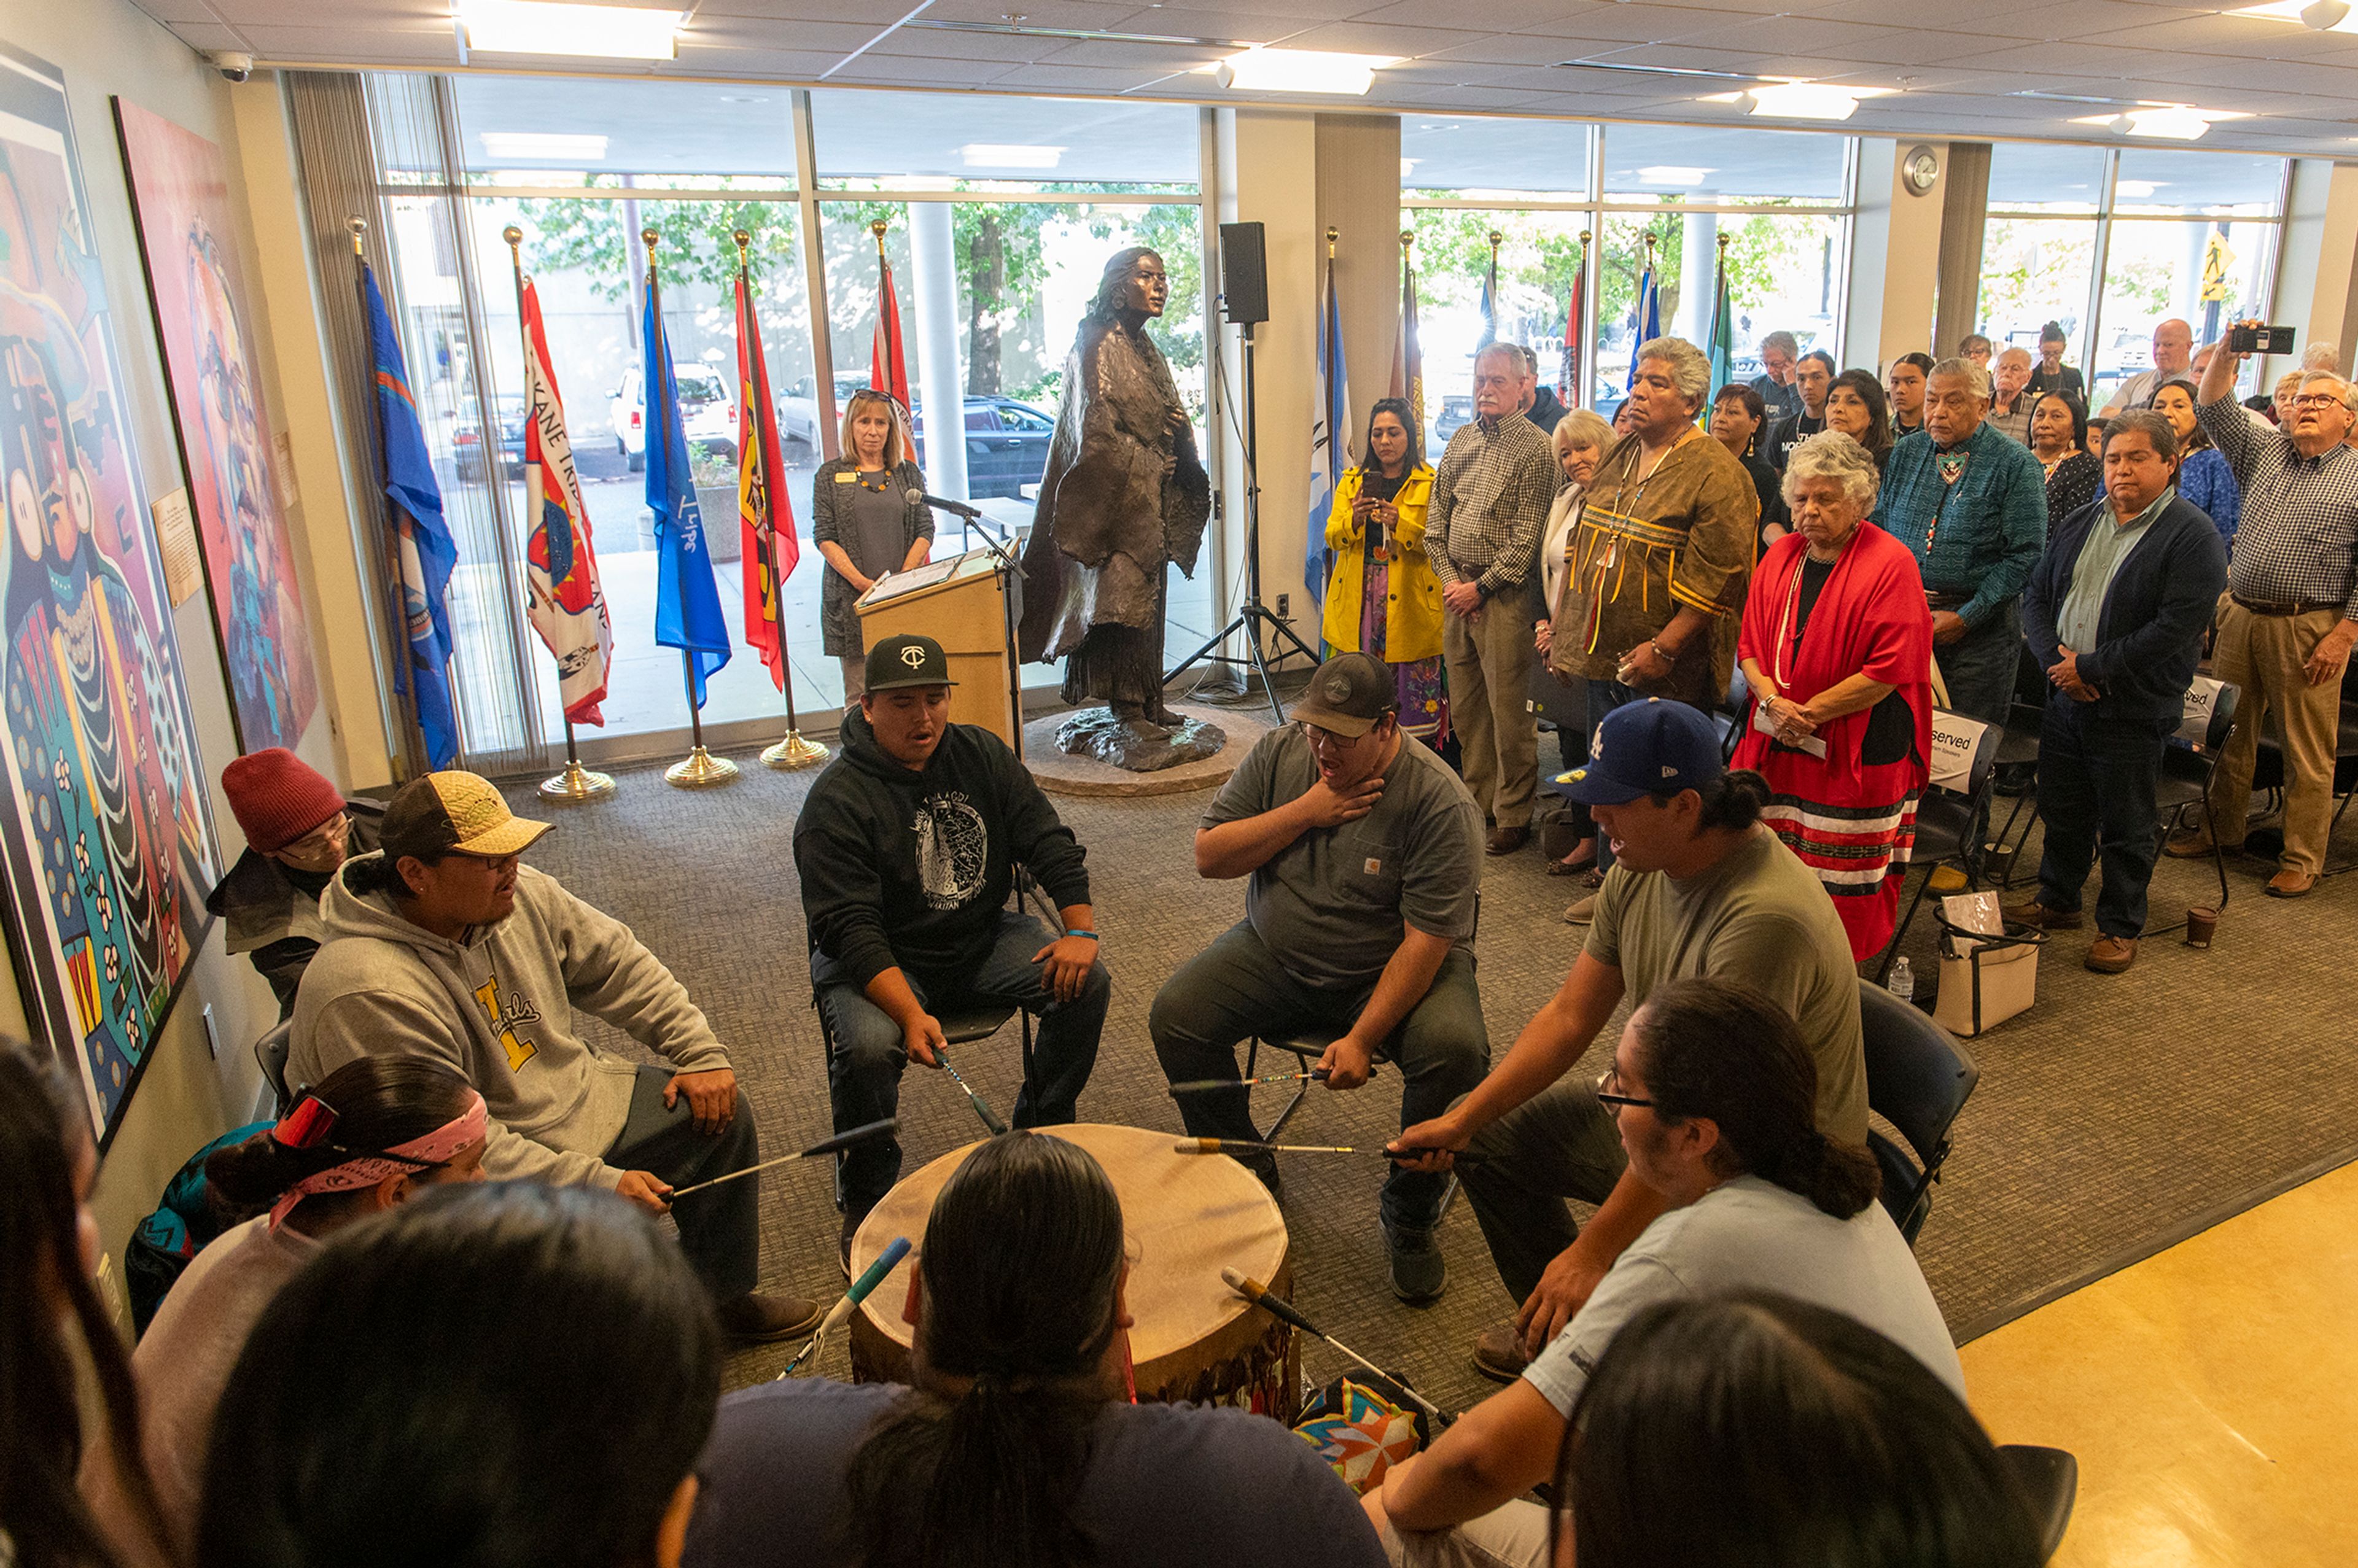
(2115, 612)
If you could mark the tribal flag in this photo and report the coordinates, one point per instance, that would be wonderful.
(1720, 343)
(888, 364)
(1568, 389)
(563, 600)
(424, 553)
(1649, 317)
(1330, 437)
(687, 600)
(764, 513)
(1489, 303)
(1407, 358)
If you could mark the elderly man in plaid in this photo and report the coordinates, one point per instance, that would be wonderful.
(2290, 613)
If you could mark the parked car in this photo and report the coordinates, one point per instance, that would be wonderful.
(467, 438)
(1456, 412)
(707, 407)
(1006, 445)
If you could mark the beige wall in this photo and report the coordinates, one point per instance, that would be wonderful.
(1895, 267)
(106, 46)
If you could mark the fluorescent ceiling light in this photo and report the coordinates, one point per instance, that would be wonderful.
(1670, 174)
(1300, 71)
(2322, 15)
(1009, 154)
(2170, 122)
(1809, 99)
(544, 146)
(543, 26)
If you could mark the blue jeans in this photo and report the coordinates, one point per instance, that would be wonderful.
(2096, 779)
(863, 1075)
(1979, 667)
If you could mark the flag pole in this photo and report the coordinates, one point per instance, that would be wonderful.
(1576, 311)
(576, 783)
(795, 750)
(699, 767)
(891, 338)
(404, 678)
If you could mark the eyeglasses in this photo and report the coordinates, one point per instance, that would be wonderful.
(2316, 400)
(1608, 1083)
(332, 832)
(1326, 739)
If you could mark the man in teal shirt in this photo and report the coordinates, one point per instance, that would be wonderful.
(2115, 612)
(1972, 504)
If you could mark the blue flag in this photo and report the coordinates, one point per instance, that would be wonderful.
(687, 601)
(1489, 305)
(424, 551)
(1330, 439)
(1649, 316)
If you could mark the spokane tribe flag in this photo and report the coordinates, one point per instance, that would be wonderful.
(565, 605)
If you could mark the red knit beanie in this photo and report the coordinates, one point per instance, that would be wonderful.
(278, 797)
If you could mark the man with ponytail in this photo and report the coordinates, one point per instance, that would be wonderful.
(1699, 886)
(375, 1133)
(1715, 1102)
(1019, 1446)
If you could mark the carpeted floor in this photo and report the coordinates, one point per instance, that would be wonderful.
(2119, 1115)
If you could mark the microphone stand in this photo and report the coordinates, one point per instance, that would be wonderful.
(1001, 548)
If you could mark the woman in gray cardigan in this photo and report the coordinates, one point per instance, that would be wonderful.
(865, 524)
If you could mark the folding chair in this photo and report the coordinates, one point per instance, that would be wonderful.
(271, 1052)
(1952, 811)
(2188, 764)
(1918, 1079)
(2026, 711)
(1732, 712)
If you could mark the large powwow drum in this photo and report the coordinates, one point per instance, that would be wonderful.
(1186, 1217)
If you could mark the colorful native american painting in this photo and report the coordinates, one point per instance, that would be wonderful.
(107, 845)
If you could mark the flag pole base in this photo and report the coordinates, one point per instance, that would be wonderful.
(700, 770)
(577, 783)
(793, 752)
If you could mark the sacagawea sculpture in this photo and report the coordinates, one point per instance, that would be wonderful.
(1123, 495)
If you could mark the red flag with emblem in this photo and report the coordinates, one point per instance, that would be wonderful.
(564, 603)
(764, 513)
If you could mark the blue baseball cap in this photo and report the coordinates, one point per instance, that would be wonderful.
(1645, 748)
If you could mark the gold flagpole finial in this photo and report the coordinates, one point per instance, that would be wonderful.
(1497, 239)
(359, 227)
(1408, 238)
(1723, 244)
(512, 235)
(1585, 238)
(877, 229)
(744, 238)
(1333, 235)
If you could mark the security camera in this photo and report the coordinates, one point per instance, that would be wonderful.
(232, 64)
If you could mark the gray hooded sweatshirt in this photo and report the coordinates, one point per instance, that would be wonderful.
(498, 1009)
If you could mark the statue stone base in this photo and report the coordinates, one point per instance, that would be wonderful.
(1139, 745)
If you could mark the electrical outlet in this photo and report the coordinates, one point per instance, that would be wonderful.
(1285, 607)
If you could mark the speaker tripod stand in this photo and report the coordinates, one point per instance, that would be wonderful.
(1252, 617)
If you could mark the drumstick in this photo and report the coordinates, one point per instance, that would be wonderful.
(824, 1146)
(981, 1106)
(1244, 1146)
(869, 1278)
(1205, 1086)
(1253, 1290)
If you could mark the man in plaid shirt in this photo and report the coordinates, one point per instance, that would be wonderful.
(1973, 506)
(2290, 613)
(1489, 503)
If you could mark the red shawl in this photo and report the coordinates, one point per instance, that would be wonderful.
(1852, 822)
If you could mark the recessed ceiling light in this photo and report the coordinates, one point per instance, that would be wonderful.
(1009, 154)
(1300, 71)
(1670, 174)
(1810, 100)
(545, 26)
(2169, 122)
(544, 146)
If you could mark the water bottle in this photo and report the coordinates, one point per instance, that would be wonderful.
(1903, 981)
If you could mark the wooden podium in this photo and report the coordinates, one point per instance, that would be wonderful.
(961, 604)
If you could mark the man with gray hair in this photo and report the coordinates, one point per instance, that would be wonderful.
(1780, 354)
(1973, 506)
(1490, 499)
(2114, 614)
(1661, 557)
(2010, 401)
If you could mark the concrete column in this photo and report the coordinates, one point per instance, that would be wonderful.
(2317, 280)
(1358, 194)
(1698, 276)
(1965, 223)
(941, 381)
(1895, 258)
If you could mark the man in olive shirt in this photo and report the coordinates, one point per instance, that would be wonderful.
(1364, 852)
(1698, 887)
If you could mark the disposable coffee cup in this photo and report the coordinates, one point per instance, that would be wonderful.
(2202, 925)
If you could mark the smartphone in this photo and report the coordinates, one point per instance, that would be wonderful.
(2259, 340)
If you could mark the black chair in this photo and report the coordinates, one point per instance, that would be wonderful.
(2187, 766)
(2018, 746)
(271, 1052)
(1918, 1078)
(2268, 769)
(1949, 820)
(2049, 1479)
(1732, 712)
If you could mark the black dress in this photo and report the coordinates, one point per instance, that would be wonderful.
(2072, 484)
(2066, 379)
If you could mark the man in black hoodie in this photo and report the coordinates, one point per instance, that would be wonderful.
(907, 848)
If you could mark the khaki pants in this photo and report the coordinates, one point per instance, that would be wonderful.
(1489, 661)
(2262, 654)
(855, 678)
(1512, 1535)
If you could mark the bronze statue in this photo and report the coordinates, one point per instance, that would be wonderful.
(1123, 496)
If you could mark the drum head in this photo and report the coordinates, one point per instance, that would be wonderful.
(1186, 1217)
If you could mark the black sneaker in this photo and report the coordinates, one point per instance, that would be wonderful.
(850, 1228)
(1420, 1273)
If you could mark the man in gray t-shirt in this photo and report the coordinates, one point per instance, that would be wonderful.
(1364, 853)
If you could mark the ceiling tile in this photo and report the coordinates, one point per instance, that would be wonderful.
(1374, 38)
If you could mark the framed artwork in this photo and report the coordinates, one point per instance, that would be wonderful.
(104, 834)
(179, 196)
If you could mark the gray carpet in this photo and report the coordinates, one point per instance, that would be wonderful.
(2118, 1115)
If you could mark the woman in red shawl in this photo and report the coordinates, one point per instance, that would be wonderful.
(1837, 647)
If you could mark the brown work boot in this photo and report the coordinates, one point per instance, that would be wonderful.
(2112, 954)
(1582, 912)
(2192, 845)
(1498, 1353)
(2046, 919)
(1506, 841)
(754, 1318)
(2289, 884)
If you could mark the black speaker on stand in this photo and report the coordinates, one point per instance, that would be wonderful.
(1244, 289)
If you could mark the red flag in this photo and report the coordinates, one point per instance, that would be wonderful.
(888, 367)
(764, 513)
(1568, 389)
(564, 603)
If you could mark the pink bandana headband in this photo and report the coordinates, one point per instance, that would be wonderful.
(310, 1121)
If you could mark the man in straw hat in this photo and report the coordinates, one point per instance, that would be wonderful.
(442, 945)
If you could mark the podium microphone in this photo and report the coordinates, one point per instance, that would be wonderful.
(917, 497)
